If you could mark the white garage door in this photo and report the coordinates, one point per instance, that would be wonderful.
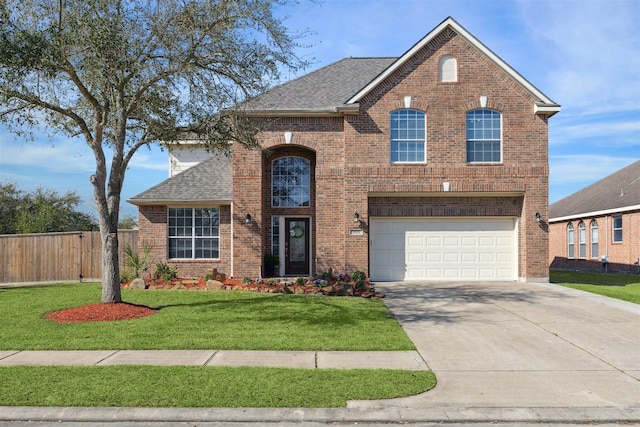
(443, 249)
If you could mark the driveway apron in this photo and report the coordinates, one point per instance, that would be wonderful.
(514, 344)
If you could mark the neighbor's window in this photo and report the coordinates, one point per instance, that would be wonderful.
(617, 229)
(582, 240)
(194, 233)
(291, 182)
(408, 129)
(484, 139)
(570, 241)
(448, 69)
(594, 239)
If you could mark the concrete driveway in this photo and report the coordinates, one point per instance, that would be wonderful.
(519, 345)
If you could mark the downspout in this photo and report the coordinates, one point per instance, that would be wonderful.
(231, 244)
(606, 235)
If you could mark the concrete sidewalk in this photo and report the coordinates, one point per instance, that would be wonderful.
(406, 360)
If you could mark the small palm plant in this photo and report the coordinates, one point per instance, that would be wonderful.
(139, 264)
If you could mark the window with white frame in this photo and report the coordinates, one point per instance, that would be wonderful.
(194, 233)
(408, 136)
(570, 241)
(617, 229)
(275, 235)
(582, 240)
(290, 182)
(594, 239)
(484, 136)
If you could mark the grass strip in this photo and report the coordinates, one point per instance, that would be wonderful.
(199, 386)
(624, 287)
(224, 320)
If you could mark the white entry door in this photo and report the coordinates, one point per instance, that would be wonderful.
(443, 249)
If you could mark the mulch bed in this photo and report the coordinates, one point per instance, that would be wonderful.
(99, 312)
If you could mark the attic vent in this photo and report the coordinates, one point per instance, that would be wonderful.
(448, 69)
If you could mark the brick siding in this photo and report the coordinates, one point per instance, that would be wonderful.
(352, 171)
(623, 256)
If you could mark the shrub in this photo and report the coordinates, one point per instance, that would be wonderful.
(165, 272)
(139, 264)
(246, 280)
(300, 281)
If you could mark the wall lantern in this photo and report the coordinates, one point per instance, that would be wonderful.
(538, 217)
(356, 217)
(247, 218)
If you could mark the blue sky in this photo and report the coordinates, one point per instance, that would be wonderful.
(583, 54)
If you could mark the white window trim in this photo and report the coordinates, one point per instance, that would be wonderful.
(501, 138)
(193, 236)
(271, 187)
(614, 229)
(424, 141)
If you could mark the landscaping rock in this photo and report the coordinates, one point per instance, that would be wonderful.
(345, 290)
(214, 285)
(137, 284)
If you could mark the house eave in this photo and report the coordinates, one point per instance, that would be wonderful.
(337, 111)
(595, 213)
(546, 109)
(174, 202)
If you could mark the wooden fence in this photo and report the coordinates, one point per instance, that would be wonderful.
(56, 256)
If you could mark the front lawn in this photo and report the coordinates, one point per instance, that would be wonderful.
(625, 287)
(198, 386)
(223, 320)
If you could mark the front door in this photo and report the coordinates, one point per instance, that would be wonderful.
(296, 250)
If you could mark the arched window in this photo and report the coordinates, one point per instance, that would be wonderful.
(407, 135)
(594, 239)
(570, 241)
(291, 182)
(448, 69)
(582, 240)
(484, 136)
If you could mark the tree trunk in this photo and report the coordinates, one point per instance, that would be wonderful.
(110, 268)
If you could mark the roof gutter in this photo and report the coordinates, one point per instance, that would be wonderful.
(596, 213)
(337, 111)
(174, 202)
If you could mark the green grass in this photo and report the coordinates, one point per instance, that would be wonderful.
(200, 320)
(625, 287)
(155, 386)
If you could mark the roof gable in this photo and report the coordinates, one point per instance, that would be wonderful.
(617, 192)
(544, 105)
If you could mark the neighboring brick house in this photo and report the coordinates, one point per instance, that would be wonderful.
(432, 165)
(601, 220)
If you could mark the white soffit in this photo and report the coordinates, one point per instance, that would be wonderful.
(552, 107)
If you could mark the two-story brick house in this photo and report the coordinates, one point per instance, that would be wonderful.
(432, 165)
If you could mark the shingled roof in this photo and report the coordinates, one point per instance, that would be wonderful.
(208, 181)
(617, 192)
(322, 91)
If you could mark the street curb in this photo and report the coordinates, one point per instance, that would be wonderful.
(323, 415)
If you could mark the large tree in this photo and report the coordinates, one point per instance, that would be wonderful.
(127, 73)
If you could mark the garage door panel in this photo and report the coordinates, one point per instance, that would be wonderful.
(443, 248)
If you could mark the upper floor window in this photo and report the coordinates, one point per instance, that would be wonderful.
(570, 241)
(594, 239)
(484, 136)
(408, 129)
(617, 229)
(582, 240)
(291, 182)
(194, 233)
(448, 69)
